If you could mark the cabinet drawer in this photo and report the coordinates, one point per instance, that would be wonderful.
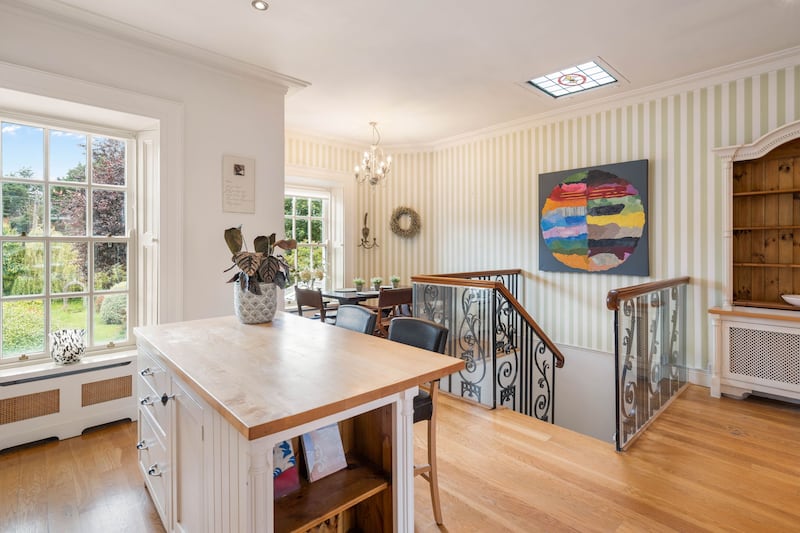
(153, 462)
(153, 373)
(150, 402)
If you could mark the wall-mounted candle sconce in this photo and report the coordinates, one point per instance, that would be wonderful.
(365, 236)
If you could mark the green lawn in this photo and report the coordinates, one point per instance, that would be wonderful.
(23, 324)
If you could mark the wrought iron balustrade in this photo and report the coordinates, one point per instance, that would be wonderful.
(650, 352)
(509, 359)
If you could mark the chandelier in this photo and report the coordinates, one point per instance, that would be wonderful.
(374, 168)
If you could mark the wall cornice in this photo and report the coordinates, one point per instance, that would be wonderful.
(52, 12)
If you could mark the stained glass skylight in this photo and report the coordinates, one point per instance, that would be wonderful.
(573, 80)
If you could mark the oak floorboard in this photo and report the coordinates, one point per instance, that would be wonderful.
(705, 465)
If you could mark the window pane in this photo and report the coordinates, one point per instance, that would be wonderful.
(67, 156)
(316, 231)
(69, 313)
(68, 262)
(287, 228)
(23, 151)
(301, 207)
(23, 268)
(303, 258)
(318, 257)
(110, 265)
(23, 327)
(287, 206)
(108, 161)
(23, 209)
(110, 318)
(301, 230)
(68, 211)
(108, 213)
(290, 256)
(316, 208)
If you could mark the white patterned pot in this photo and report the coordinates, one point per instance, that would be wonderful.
(66, 345)
(255, 308)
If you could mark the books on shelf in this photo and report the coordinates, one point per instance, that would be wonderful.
(285, 476)
(323, 452)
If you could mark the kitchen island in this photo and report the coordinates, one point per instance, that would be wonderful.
(216, 396)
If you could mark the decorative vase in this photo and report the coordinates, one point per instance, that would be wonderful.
(395, 284)
(359, 287)
(67, 346)
(376, 286)
(255, 308)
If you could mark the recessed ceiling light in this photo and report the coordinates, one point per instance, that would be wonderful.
(575, 79)
(260, 5)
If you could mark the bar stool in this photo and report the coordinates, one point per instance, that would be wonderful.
(428, 336)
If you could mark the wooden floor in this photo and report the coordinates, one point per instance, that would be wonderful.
(704, 465)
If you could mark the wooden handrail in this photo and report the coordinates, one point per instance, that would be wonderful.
(627, 293)
(462, 281)
(477, 273)
(532, 323)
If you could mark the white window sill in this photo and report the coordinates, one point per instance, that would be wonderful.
(45, 367)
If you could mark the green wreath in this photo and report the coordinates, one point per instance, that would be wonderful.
(414, 224)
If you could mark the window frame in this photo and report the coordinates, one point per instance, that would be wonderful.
(47, 296)
(312, 193)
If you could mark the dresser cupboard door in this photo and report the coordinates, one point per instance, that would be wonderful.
(189, 471)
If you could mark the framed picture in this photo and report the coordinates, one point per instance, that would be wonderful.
(323, 452)
(594, 220)
(238, 184)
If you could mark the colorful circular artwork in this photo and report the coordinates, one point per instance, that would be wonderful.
(593, 220)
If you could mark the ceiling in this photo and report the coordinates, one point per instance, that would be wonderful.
(430, 70)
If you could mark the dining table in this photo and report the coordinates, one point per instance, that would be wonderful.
(349, 296)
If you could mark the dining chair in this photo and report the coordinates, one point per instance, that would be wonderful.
(312, 298)
(356, 318)
(391, 303)
(428, 336)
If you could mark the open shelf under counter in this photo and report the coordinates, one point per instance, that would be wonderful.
(314, 503)
(764, 193)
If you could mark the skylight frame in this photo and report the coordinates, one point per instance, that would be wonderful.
(576, 79)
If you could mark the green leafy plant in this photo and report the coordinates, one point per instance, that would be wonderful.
(376, 281)
(358, 281)
(395, 279)
(261, 265)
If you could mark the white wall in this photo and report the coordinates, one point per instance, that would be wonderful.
(204, 112)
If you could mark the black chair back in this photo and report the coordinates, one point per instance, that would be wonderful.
(356, 318)
(418, 332)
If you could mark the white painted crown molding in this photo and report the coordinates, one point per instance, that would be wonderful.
(751, 67)
(54, 12)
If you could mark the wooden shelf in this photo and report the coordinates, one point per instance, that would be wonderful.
(316, 502)
(745, 228)
(767, 265)
(763, 193)
(766, 305)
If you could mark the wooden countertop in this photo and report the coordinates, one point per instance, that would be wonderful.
(265, 378)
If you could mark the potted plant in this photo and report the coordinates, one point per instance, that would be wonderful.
(395, 279)
(260, 272)
(359, 284)
(376, 282)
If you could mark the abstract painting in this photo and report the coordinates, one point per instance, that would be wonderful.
(594, 220)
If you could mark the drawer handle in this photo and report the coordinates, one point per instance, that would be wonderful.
(146, 372)
(154, 470)
(142, 445)
(147, 400)
(165, 398)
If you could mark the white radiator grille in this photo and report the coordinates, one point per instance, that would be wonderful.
(770, 355)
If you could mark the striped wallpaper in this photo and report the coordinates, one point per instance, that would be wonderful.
(478, 198)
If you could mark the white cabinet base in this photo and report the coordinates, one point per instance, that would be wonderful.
(757, 351)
